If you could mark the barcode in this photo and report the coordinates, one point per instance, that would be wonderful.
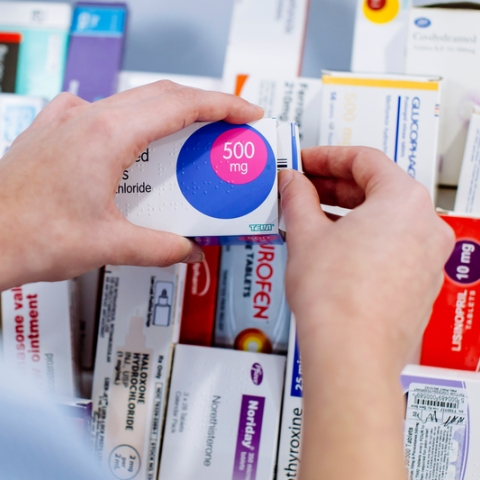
(282, 163)
(435, 403)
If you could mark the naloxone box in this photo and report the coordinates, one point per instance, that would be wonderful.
(223, 415)
(216, 182)
(288, 463)
(252, 311)
(442, 423)
(452, 337)
(396, 114)
(380, 37)
(288, 100)
(39, 320)
(141, 308)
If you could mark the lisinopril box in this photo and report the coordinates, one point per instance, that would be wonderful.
(39, 320)
(442, 420)
(289, 100)
(452, 337)
(444, 42)
(140, 313)
(396, 114)
(380, 37)
(266, 38)
(252, 310)
(288, 462)
(216, 182)
(95, 52)
(44, 29)
(17, 112)
(9, 45)
(468, 192)
(198, 317)
(223, 415)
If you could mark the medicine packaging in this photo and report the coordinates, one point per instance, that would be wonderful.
(9, 47)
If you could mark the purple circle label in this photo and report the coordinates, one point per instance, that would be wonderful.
(463, 265)
(257, 374)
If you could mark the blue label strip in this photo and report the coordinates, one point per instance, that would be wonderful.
(297, 380)
(97, 21)
(398, 129)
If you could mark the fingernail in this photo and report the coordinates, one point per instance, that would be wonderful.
(259, 108)
(197, 256)
(284, 178)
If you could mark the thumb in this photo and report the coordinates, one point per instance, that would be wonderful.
(143, 247)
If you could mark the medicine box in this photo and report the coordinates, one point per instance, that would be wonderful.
(252, 311)
(442, 423)
(444, 42)
(39, 322)
(44, 28)
(288, 100)
(451, 339)
(223, 415)
(140, 313)
(394, 113)
(9, 46)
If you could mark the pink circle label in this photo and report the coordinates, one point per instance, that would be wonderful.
(238, 156)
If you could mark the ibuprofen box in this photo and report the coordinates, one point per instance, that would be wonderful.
(468, 198)
(211, 180)
(288, 463)
(380, 36)
(39, 322)
(252, 310)
(223, 415)
(452, 338)
(96, 47)
(141, 309)
(396, 114)
(444, 42)
(44, 28)
(288, 100)
(442, 423)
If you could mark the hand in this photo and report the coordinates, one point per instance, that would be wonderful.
(58, 218)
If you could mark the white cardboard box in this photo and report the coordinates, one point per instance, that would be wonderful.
(396, 114)
(39, 322)
(380, 36)
(139, 322)
(445, 42)
(223, 415)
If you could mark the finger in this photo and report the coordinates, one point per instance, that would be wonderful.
(62, 102)
(140, 246)
(338, 192)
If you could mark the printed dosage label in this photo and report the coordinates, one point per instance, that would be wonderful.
(297, 379)
(248, 438)
(436, 432)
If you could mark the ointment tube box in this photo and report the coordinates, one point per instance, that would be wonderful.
(289, 100)
(223, 415)
(216, 182)
(44, 28)
(139, 322)
(451, 339)
(39, 322)
(442, 423)
(393, 113)
(289, 450)
(9, 46)
(17, 112)
(252, 311)
(380, 36)
(198, 317)
(468, 192)
(444, 42)
(95, 53)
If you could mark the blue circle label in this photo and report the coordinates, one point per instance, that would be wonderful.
(422, 22)
(463, 265)
(209, 191)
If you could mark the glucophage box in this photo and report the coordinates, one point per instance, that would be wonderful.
(380, 38)
(442, 423)
(140, 313)
(223, 415)
(396, 114)
(212, 180)
(95, 53)
(252, 311)
(39, 322)
(9, 46)
(444, 42)
(288, 100)
(452, 337)
(44, 28)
